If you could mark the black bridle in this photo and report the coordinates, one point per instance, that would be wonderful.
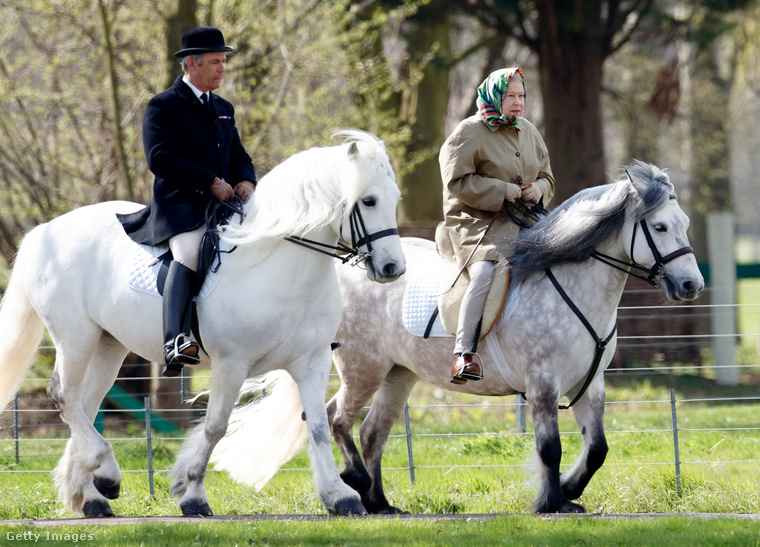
(342, 250)
(651, 275)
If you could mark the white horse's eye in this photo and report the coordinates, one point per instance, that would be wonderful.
(369, 201)
(660, 228)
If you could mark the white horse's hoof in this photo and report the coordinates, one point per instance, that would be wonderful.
(349, 507)
(196, 508)
(97, 509)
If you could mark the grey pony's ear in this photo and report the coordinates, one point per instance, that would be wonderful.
(353, 150)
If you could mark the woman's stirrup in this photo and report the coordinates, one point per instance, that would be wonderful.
(467, 366)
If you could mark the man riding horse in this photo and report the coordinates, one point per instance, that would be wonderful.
(194, 150)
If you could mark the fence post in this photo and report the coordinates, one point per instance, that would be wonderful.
(409, 441)
(720, 247)
(149, 439)
(675, 440)
(183, 386)
(520, 412)
(16, 425)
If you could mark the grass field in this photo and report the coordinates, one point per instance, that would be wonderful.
(374, 531)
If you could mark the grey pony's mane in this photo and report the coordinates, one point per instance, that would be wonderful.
(573, 230)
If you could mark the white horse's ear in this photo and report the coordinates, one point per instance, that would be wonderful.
(353, 150)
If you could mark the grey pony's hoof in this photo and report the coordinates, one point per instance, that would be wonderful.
(566, 507)
(196, 509)
(97, 509)
(349, 507)
(107, 487)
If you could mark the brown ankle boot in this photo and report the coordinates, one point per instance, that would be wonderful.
(465, 368)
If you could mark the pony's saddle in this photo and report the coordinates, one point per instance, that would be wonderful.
(432, 300)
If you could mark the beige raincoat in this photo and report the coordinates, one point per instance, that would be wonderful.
(476, 163)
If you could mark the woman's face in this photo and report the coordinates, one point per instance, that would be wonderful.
(514, 99)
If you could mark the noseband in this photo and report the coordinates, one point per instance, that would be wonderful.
(342, 251)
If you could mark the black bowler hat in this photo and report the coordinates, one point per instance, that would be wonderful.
(202, 40)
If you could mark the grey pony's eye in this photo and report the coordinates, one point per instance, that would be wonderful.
(369, 201)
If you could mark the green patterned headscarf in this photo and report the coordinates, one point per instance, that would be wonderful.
(491, 95)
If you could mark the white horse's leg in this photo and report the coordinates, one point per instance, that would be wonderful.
(337, 497)
(189, 471)
(544, 404)
(589, 415)
(87, 475)
(386, 409)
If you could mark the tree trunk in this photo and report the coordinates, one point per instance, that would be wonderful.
(113, 77)
(425, 105)
(570, 66)
(180, 21)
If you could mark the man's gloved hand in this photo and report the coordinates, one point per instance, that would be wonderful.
(244, 189)
(221, 189)
(531, 193)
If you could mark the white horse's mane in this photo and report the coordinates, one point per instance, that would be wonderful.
(312, 189)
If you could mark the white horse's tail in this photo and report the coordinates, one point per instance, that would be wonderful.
(21, 328)
(264, 434)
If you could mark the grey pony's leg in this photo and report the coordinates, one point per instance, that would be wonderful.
(589, 415)
(358, 385)
(386, 409)
(550, 497)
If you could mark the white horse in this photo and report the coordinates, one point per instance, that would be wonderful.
(276, 305)
(539, 346)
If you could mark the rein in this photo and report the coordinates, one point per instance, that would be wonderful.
(342, 251)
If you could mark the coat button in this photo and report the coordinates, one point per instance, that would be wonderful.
(517, 154)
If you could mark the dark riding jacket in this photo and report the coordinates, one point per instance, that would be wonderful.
(187, 144)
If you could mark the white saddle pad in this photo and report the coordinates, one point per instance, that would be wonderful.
(144, 267)
(423, 286)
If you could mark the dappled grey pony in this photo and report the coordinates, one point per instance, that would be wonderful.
(539, 346)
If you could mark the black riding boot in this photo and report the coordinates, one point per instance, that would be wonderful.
(179, 349)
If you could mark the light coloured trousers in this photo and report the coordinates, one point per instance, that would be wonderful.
(473, 304)
(185, 247)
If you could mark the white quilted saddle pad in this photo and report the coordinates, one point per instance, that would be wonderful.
(144, 267)
(423, 286)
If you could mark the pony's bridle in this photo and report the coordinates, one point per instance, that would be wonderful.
(652, 275)
(359, 237)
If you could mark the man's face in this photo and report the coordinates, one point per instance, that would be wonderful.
(207, 76)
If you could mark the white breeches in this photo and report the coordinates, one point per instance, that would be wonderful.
(185, 247)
